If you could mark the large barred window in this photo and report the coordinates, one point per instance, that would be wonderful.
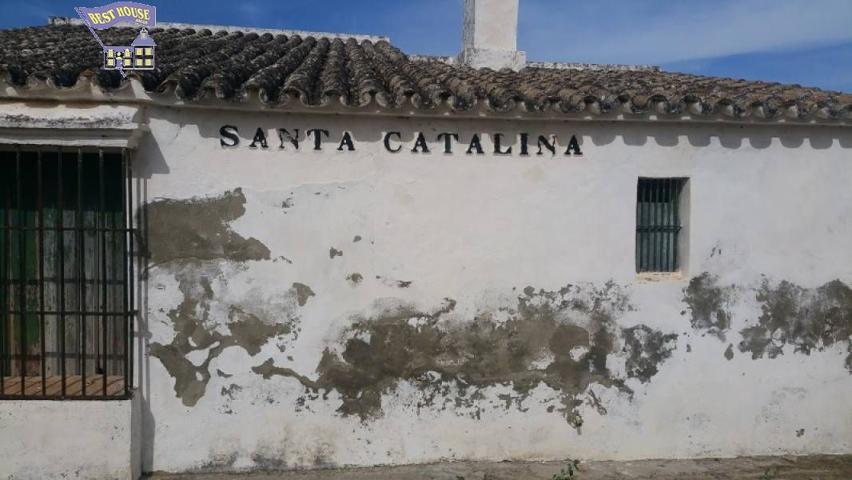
(66, 273)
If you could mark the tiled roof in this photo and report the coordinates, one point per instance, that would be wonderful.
(281, 70)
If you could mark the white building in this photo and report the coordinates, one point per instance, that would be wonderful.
(345, 256)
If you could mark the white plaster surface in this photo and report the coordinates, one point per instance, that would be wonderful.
(774, 200)
(765, 202)
(69, 439)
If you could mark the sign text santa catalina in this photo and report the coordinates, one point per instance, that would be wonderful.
(319, 139)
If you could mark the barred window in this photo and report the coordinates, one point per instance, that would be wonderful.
(66, 275)
(658, 224)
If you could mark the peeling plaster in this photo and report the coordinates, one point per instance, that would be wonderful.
(435, 350)
(199, 229)
(709, 304)
(193, 239)
(196, 331)
(806, 319)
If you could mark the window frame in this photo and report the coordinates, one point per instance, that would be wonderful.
(661, 229)
(116, 282)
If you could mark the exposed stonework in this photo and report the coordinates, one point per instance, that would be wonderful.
(198, 229)
(560, 339)
(709, 304)
(303, 293)
(806, 319)
(193, 240)
(195, 330)
(647, 349)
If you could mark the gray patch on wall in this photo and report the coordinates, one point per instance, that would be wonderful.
(647, 349)
(195, 331)
(303, 293)
(192, 238)
(806, 319)
(574, 329)
(198, 229)
(709, 304)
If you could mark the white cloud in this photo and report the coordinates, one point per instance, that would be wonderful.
(665, 31)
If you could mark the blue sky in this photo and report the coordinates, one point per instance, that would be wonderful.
(793, 41)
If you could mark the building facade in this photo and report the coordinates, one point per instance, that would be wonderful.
(307, 252)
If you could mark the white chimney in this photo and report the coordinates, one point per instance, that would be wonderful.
(491, 35)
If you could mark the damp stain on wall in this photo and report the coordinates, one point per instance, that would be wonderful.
(806, 319)
(199, 229)
(709, 304)
(193, 241)
(647, 349)
(303, 293)
(559, 339)
(803, 319)
(196, 331)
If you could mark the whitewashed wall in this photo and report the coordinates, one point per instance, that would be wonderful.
(260, 347)
(70, 439)
(478, 230)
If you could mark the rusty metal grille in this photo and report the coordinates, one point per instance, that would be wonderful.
(658, 224)
(66, 273)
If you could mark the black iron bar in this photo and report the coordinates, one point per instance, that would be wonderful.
(646, 200)
(81, 268)
(655, 205)
(7, 307)
(673, 186)
(676, 205)
(103, 275)
(641, 197)
(60, 267)
(131, 316)
(673, 223)
(661, 223)
(66, 229)
(664, 233)
(22, 292)
(642, 253)
(41, 270)
(649, 248)
(638, 244)
(127, 259)
(672, 238)
(72, 312)
(644, 216)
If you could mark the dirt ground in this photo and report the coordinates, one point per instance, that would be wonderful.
(758, 468)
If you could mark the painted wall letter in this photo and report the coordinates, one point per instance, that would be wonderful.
(448, 140)
(318, 133)
(387, 142)
(259, 136)
(285, 136)
(229, 132)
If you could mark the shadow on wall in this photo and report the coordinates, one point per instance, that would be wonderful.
(372, 130)
(142, 337)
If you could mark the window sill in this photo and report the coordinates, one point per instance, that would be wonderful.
(657, 277)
